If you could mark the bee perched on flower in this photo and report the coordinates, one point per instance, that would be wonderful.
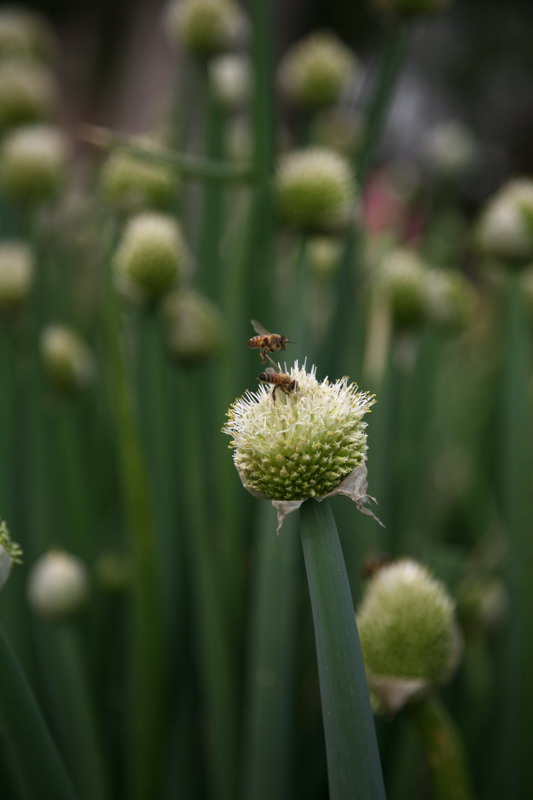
(309, 443)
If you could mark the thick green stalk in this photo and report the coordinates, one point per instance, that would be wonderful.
(22, 723)
(354, 768)
(444, 750)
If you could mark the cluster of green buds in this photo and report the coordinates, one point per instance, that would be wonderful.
(131, 183)
(408, 634)
(33, 164)
(230, 79)
(58, 586)
(28, 93)
(16, 273)
(205, 28)
(505, 229)
(314, 72)
(193, 326)
(68, 362)
(10, 553)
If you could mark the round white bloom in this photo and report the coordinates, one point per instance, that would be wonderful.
(58, 585)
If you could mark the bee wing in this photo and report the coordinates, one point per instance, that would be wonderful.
(258, 328)
(271, 371)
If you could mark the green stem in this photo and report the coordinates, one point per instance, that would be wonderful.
(444, 750)
(27, 733)
(354, 767)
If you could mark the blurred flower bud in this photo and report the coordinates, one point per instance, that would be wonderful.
(24, 34)
(58, 586)
(323, 255)
(151, 256)
(315, 190)
(33, 164)
(205, 27)
(68, 362)
(27, 93)
(402, 279)
(482, 603)
(114, 571)
(131, 183)
(411, 7)
(194, 326)
(16, 272)
(337, 129)
(505, 230)
(230, 81)
(10, 553)
(451, 300)
(449, 150)
(315, 71)
(408, 633)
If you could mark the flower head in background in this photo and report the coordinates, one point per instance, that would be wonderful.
(28, 93)
(193, 326)
(205, 27)
(58, 585)
(505, 229)
(68, 361)
(33, 164)
(309, 443)
(16, 273)
(25, 35)
(130, 183)
(10, 553)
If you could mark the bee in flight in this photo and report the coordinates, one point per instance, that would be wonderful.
(266, 342)
(280, 380)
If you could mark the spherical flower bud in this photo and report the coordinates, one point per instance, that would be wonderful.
(308, 441)
(482, 603)
(33, 164)
(230, 80)
(410, 8)
(194, 327)
(16, 272)
(10, 553)
(27, 93)
(323, 255)
(58, 586)
(150, 256)
(402, 278)
(205, 27)
(451, 300)
(130, 183)
(24, 34)
(505, 230)
(315, 189)
(407, 631)
(315, 71)
(68, 361)
(449, 150)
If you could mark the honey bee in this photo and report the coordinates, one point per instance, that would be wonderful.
(266, 342)
(280, 380)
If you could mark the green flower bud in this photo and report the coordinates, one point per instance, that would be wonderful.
(451, 300)
(68, 362)
(25, 35)
(205, 27)
(410, 8)
(482, 603)
(315, 71)
(33, 164)
(315, 189)
(10, 553)
(449, 150)
(151, 256)
(114, 571)
(58, 586)
(230, 80)
(131, 184)
(407, 631)
(323, 255)
(309, 441)
(194, 326)
(505, 230)
(27, 93)
(402, 278)
(16, 272)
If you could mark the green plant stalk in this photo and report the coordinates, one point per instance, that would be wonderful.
(23, 725)
(443, 748)
(354, 768)
(267, 755)
(147, 656)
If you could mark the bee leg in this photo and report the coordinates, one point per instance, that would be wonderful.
(262, 354)
(274, 392)
(272, 362)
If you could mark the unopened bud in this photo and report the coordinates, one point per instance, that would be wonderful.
(58, 585)
(505, 230)
(194, 327)
(205, 27)
(131, 183)
(402, 278)
(68, 361)
(16, 272)
(27, 93)
(230, 81)
(33, 164)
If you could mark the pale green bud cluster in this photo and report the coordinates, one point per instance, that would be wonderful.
(130, 183)
(151, 255)
(10, 553)
(402, 278)
(449, 150)
(230, 79)
(194, 326)
(315, 189)
(411, 7)
(33, 164)
(68, 362)
(324, 255)
(16, 273)
(407, 630)
(27, 93)
(451, 299)
(205, 27)
(505, 230)
(58, 586)
(315, 71)
(300, 445)
(24, 35)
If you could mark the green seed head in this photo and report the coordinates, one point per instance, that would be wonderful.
(301, 444)
(151, 256)
(58, 586)
(205, 27)
(68, 362)
(33, 164)
(407, 630)
(16, 272)
(27, 93)
(402, 278)
(315, 190)
(10, 553)
(410, 8)
(194, 327)
(24, 35)
(315, 71)
(131, 184)
(451, 300)
(505, 230)
(230, 80)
